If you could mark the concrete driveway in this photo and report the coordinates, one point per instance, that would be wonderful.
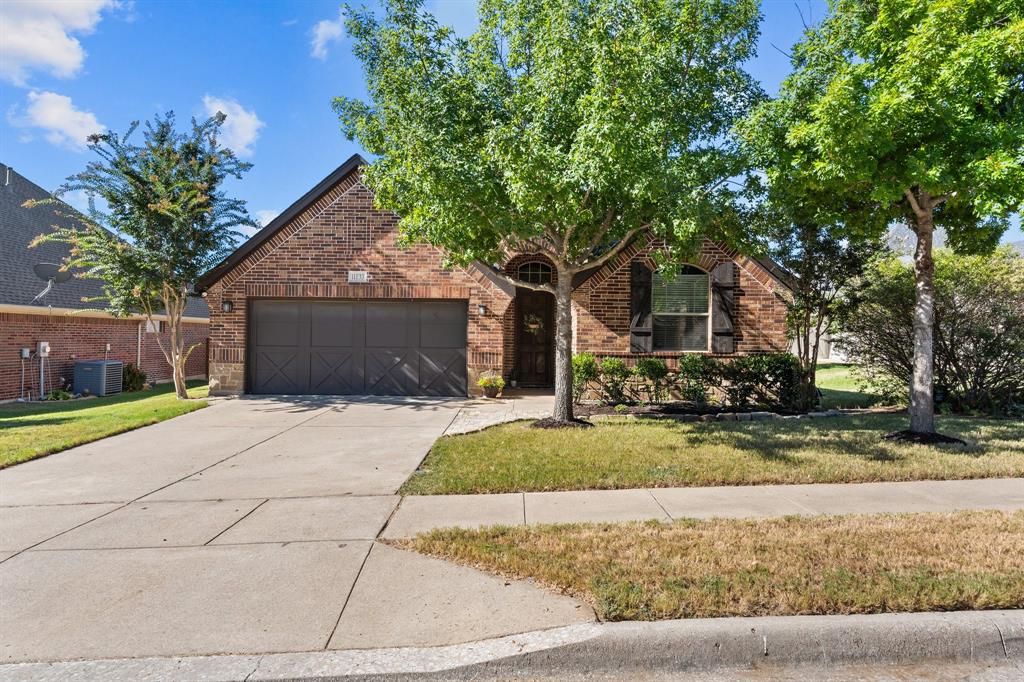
(246, 527)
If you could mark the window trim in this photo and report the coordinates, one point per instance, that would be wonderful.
(543, 264)
(706, 316)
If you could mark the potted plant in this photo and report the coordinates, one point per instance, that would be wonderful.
(491, 383)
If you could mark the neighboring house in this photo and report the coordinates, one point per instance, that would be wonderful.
(323, 301)
(75, 329)
(828, 350)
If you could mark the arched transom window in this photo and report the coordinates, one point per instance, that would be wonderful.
(681, 308)
(535, 272)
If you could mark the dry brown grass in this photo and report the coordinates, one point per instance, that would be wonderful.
(780, 566)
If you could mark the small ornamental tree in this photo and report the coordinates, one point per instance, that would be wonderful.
(917, 107)
(562, 127)
(167, 221)
(827, 269)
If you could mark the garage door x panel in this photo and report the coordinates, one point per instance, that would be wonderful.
(358, 348)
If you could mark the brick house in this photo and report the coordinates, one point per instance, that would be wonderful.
(75, 329)
(323, 301)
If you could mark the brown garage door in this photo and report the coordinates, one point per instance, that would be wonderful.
(357, 347)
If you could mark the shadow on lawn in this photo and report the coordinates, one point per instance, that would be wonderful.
(777, 441)
(14, 411)
(14, 423)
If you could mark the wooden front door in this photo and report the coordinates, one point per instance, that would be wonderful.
(535, 336)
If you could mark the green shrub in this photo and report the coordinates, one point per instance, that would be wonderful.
(59, 394)
(763, 379)
(614, 377)
(652, 373)
(133, 379)
(584, 372)
(695, 376)
(622, 409)
(979, 330)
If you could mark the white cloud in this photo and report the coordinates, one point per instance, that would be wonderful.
(324, 33)
(264, 217)
(241, 127)
(37, 36)
(62, 124)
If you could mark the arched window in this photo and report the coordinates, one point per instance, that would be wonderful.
(682, 310)
(535, 272)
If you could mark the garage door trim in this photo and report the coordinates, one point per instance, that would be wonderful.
(414, 347)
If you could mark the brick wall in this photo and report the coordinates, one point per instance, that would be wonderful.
(310, 258)
(601, 304)
(76, 337)
(311, 255)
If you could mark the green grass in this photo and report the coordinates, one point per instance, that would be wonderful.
(840, 389)
(620, 453)
(764, 567)
(28, 431)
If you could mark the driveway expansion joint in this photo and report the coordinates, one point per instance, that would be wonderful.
(236, 522)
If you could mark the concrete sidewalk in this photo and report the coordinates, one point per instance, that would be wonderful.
(420, 513)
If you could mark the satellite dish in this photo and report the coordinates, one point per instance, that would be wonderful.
(48, 271)
(52, 274)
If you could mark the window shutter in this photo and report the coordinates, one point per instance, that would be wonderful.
(723, 306)
(640, 318)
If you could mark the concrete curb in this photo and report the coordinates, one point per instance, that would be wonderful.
(698, 645)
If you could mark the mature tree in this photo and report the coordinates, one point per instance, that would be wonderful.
(916, 106)
(167, 220)
(561, 127)
(979, 328)
(824, 242)
(827, 268)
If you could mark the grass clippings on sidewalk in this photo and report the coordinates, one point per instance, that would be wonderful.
(620, 453)
(766, 567)
(30, 430)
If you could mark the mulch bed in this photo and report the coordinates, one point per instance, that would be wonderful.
(590, 410)
(549, 423)
(918, 438)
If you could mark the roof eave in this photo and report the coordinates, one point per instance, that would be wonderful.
(211, 277)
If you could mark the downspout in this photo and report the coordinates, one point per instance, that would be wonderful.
(138, 347)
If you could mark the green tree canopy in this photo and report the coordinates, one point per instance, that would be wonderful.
(561, 127)
(166, 220)
(912, 110)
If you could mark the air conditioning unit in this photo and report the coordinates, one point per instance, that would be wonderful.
(99, 377)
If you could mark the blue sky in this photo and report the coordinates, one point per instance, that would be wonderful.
(70, 68)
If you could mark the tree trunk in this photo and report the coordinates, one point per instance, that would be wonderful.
(177, 354)
(922, 409)
(563, 347)
(174, 307)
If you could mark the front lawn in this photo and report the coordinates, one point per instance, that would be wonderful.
(28, 431)
(840, 388)
(620, 453)
(781, 566)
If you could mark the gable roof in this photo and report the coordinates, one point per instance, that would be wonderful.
(19, 226)
(779, 273)
(352, 165)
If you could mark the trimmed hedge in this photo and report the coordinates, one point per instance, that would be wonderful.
(763, 380)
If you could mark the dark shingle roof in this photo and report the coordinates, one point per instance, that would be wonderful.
(18, 227)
